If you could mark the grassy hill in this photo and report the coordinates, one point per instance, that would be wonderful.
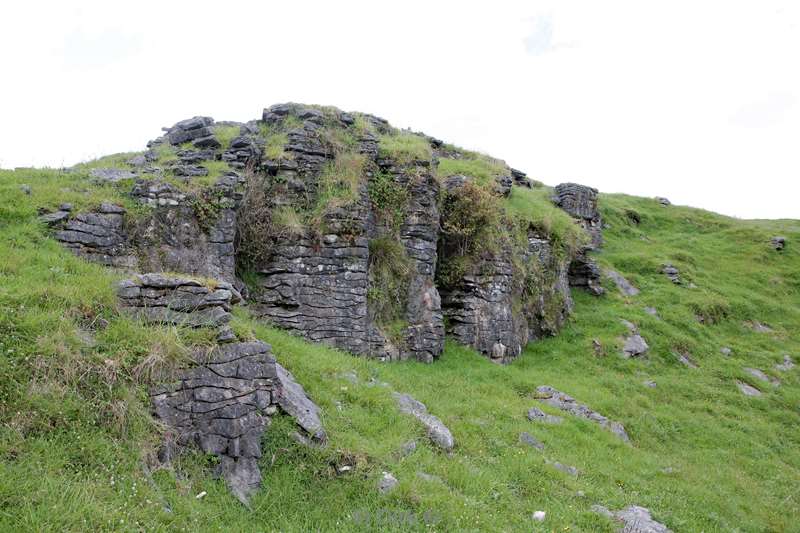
(77, 444)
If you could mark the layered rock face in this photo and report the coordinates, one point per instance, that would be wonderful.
(580, 202)
(220, 401)
(350, 243)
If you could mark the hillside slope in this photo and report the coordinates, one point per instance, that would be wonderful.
(78, 444)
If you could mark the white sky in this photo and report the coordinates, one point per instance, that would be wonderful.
(693, 100)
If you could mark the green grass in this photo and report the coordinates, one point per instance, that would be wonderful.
(404, 147)
(226, 134)
(481, 167)
(76, 439)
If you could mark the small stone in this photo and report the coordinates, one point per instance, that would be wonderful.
(66, 206)
(571, 470)
(635, 345)
(748, 390)
(25, 188)
(539, 516)
(530, 440)
(651, 311)
(778, 242)
(725, 351)
(651, 384)
(225, 334)
(787, 364)
(387, 483)
(408, 448)
(758, 374)
(630, 325)
(663, 201)
(350, 376)
(686, 360)
(672, 273)
(759, 327)
(330, 238)
(537, 415)
(622, 284)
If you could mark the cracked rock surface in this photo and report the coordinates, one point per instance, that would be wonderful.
(439, 433)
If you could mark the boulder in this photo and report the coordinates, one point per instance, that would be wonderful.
(634, 519)
(778, 242)
(622, 284)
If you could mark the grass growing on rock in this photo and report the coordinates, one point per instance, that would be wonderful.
(77, 441)
(404, 147)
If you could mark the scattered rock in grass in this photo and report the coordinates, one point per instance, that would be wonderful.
(651, 311)
(429, 478)
(635, 519)
(597, 347)
(686, 360)
(672, 273)
(350, 376)
(622, 284)
(651, 384)
(537, 415)
(112, 175)
(293, 400)
(539, 516)
(787, 364)
(56, 218)
(778, 242)
(725, 351)
(530, 440)
(562, 401)
(634, 346)
(437, 431)
(630, 325)
(407, 448)
(758, 374)
(748, 390)
(25, 188)
(225, 334)
(663, 201)
(571, 470)
(758, 327)
(387, 483)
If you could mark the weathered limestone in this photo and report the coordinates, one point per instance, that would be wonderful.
(223, 403)
(672, 273)
(562, 401)
(622, 284)
(537, 415)
(635, 345)
(99, 237)
(778, 242)
(581, 203)
(439, 433)
(747, 389)
(786, 365)
(176, 300)
(634, 519)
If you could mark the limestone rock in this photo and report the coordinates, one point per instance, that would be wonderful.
(635, 345)
(176, 300)
(293, 400)
(725, 351)
(537, 415)
(778, 243)
(580, 202)
(530, 440)
(634, 519)
(439, 433)
(748, 390)
(672, 273)
(622, 284)
(787, 364)
(222, 405)
(562, 401)
(663, 201)
(760, 375)
(99, 236)
(112, 175)
(387, 483)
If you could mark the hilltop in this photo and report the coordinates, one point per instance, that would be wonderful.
(373, 263)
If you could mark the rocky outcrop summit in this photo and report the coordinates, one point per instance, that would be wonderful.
(346, 230)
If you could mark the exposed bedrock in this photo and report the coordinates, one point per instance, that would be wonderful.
(580, 202)
(222, 404)
(99, 236)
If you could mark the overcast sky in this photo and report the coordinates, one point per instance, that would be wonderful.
(694, 100)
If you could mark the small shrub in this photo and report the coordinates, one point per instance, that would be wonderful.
(254, 225)
(226, 134)
(389, 199)
(389, 272)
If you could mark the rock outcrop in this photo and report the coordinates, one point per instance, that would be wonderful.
(634, 519)
(222, 405)
(580, 202)
(329, 197)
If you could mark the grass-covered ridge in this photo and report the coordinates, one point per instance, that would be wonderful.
(77, 442)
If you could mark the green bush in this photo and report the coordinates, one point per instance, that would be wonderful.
(389, 274)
